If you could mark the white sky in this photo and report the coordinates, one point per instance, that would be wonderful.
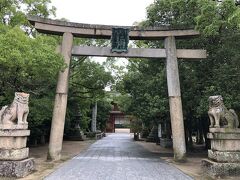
(108, 12)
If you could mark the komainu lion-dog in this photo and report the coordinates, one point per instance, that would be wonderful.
(17, 112)
(219, 115)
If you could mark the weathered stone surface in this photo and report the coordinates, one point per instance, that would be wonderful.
(17, 168)
(153, 135)
(14, 133)
(220, 169)
(94, 118)
(178, 135)
(167, 143)
(105, 31)
(80, 136)
(136, 52)
(13, 138)
(224, 130)
(175, 101)
(224, 139)
(60, 104)
(219, 115)
(13, 126)
(223, 156)
(223, 136)
(17, 112)
(225, 145)
(14, 154)
(13, 142)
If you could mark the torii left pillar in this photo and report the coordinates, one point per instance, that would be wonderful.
(59, 111)
(175, 102)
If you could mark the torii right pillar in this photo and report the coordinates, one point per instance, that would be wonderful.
(175, 102)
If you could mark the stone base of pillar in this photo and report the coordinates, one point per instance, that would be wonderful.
(153, 135)
(17, 168)
(76, 137)
(216, 169)
(145, 132)
(166, 143)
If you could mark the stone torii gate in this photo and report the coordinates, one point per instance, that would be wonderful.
(70, 30)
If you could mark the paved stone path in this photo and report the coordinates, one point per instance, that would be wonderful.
(117, 157)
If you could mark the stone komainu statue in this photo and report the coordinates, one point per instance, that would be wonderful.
(219, 115)
(17, 112)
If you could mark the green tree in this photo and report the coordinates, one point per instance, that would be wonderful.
(87, 84)
(28, 64)
(22, 63)
(15, 12)
(218, 74)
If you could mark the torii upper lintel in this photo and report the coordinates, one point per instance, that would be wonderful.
(49, 26)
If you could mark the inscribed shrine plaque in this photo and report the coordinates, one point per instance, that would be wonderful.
(120, 39)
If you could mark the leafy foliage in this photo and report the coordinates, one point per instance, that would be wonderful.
(23, 60)
(14, 12)
(145, 81)
(29, 63)
(87, 83)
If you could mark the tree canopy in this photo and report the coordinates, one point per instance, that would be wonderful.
(145, 81)
(29, 63)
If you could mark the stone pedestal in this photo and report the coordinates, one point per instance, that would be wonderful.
(14, 161)
(153, 135)
(20, 168)
(224, 155)
(79, 136)
(165, 142)
(145, 132)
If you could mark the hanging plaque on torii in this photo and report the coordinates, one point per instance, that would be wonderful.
(120, 39)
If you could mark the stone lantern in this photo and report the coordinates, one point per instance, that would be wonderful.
(77, 134)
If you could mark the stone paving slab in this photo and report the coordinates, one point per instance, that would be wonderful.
(117, 157)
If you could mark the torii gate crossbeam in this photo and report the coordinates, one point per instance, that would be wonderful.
(68, 30)
(136, 52)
